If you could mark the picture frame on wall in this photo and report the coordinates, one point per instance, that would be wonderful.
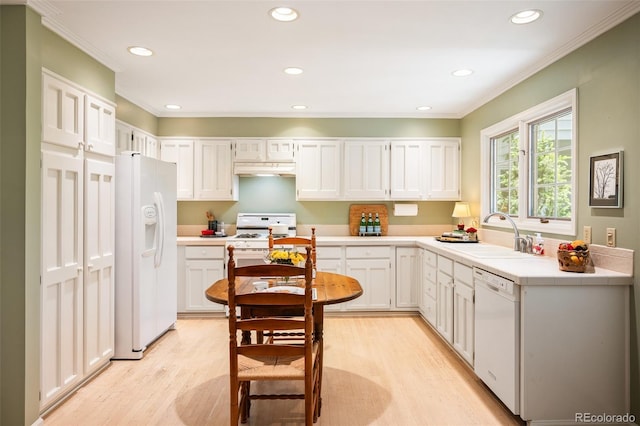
(605, 180)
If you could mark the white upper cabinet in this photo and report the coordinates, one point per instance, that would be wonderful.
(407, 178)
(180, 151)
(213, 177)
(260, 150)
(62, 113)
(318, 169)
(100, 124)
(366, 169)
(129, 138)
(443, 163)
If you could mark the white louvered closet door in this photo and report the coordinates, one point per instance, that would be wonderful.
(61, 260)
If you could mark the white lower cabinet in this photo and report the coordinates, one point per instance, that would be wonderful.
(407, 282)
(429, 286)
(372, 266)
(199, 266)
(444, 310)
(331, 259)
(463, 311)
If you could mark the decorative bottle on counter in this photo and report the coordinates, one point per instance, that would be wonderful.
(370, 223)
(376, 225)
(363, 225)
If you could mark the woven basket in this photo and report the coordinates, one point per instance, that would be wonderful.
(572, 260)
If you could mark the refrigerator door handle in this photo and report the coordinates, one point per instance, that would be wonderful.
(159, 228)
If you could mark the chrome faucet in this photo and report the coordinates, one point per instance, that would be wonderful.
(517, 239)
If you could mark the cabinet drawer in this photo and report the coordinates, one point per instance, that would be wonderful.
(463, 273)
(368, 252)
(430, 258)
(445, 265)
(430, 310)
(329, 252)
(429, 273)
(430, 288)
(204, 252)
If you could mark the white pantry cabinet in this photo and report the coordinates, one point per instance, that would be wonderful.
(407, 281)
(77, 262)
(372, 266)
(318, 169)
(258, 150)
(366, 169)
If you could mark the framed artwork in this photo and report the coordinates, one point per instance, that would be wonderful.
(605, 181)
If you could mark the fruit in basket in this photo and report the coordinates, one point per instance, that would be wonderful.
(579, 245)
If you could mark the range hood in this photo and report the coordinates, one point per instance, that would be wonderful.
(264, 169)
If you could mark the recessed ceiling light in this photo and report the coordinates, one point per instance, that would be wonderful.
(284, 14)
(526, 16)
(140, 51)
(293, 71)
(462, 73)
(299, 107)
(423, 108)
(172, 106)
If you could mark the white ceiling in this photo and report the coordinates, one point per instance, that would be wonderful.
(360, 58)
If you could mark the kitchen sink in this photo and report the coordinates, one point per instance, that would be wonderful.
(482, 251)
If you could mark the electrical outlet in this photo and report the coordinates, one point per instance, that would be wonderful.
(611, 237)
(586, 234)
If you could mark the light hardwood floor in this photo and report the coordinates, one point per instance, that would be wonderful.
(378, 371)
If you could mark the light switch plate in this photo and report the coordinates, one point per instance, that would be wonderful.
(586, 234)
(611, 237)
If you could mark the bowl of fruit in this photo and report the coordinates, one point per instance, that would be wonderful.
(573, 256)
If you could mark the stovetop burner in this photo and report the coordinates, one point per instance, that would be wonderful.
(249, 235)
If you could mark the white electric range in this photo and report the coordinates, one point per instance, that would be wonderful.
(251, 241)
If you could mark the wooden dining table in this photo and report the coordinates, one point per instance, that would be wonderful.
(330, 289)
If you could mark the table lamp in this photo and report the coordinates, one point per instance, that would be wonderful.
(461, 210)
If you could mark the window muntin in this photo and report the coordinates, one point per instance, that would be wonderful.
(529, 167)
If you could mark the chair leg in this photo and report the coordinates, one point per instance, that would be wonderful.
(233, 404)
(244, 402)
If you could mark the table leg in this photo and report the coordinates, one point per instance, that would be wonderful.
(319, 330)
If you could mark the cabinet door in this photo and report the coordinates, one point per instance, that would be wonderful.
(62, 113)
(99, 234)
(463, 328)
(444, 310)
(318, 170)
(331, 259)
(280, 150)
(407, 181)
(374, 276)
(200, 274)
(251, 150)
(407, 283)
(181, 153)
(429, 286)
(124, 138)
(100, 125)
(443, 162)
(61, 264)
(213, 177)
(151, 146)
(366, 170)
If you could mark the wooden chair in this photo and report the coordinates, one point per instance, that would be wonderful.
(250, 362)
(295, 242)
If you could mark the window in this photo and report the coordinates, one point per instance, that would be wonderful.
(529, 168)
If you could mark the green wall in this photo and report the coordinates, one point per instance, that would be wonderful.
(20, 85)
(131, 113)
(606, 73)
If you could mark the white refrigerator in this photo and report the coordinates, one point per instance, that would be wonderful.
(146, 252)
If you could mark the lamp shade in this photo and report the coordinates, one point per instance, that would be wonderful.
(461, 209)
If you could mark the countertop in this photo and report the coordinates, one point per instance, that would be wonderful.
(523, 269)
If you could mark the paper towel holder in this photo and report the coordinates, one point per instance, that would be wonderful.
(405, 209)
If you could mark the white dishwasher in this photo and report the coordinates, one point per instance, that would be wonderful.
(497, 336)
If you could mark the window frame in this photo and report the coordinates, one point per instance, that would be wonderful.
(522, 122)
